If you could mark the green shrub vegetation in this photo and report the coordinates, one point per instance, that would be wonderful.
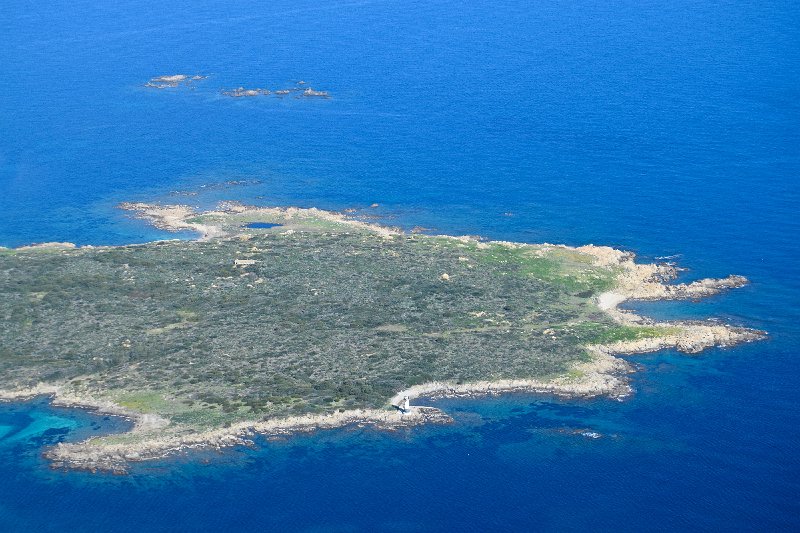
(325, 319)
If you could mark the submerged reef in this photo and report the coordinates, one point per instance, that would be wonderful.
(284, 319)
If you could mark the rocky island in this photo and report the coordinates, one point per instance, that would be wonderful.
(173, 80)
(298, 90)
(278, 320)
(241, 92)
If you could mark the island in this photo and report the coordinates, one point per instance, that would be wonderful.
(279, 320)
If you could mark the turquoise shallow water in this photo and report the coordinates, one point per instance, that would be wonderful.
(669, 130)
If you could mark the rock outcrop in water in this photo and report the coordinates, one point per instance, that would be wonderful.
(299, 90)
(171, 81)
(241, 92)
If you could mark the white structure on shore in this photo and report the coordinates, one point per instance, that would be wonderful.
(406, 404)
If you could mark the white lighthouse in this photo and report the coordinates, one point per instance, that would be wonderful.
(406, 404)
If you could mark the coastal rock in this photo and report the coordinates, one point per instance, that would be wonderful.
(309, 92)
(172, 81)
(299, 90)
(241, 92)
(49, 246)
(115, 457)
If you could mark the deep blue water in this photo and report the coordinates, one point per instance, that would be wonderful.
(664, 128)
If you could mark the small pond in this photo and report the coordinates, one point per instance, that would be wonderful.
(261, 225)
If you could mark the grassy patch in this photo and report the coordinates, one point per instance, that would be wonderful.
(573, 271)
(598, 333)
(145, 402)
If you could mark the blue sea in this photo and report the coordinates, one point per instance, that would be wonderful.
(671, 129)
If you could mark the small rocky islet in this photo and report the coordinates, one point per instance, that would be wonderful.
(300, 89)
(173, 80)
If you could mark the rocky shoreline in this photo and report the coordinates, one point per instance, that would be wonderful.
(603, 375)
(115, 457)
